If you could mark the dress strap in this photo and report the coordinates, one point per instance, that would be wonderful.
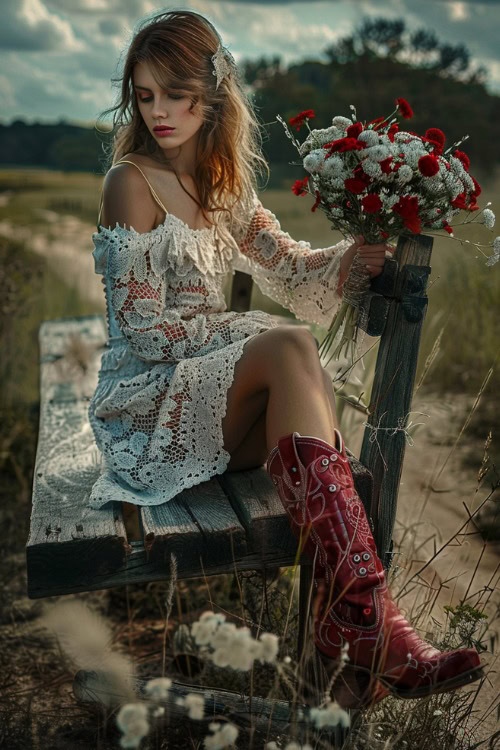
(123, 161)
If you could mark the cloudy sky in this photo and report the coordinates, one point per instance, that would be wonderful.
(57, 57)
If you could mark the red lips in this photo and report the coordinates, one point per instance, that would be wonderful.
(163, 127)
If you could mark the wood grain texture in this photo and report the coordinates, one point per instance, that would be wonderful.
(394, 379)
(69, 544)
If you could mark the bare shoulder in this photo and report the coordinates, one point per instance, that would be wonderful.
(127, 199)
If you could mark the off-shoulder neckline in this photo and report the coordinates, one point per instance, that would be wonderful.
(157, 230)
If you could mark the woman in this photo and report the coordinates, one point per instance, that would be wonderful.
(188, 389)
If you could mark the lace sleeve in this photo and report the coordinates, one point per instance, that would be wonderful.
(137, 265)
(301, 279)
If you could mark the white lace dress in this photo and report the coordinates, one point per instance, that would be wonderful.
(161, 394)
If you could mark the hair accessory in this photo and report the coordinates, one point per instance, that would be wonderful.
(224, 64)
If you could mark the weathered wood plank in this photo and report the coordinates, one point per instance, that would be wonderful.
(198, 525)
(392, 389)
(269, 717)
(69, 543)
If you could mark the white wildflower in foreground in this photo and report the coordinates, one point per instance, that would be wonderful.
(489, 218)
(158, 688)
(132, 720)
(233, 647)
(195, 704)
(329, 716)
(223, 736)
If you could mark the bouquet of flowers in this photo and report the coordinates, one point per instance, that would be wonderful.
(375, 180)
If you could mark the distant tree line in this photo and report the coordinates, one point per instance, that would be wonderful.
(377, 63)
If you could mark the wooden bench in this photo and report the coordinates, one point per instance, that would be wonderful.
(235, 521)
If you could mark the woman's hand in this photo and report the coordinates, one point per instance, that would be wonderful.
(373, 256)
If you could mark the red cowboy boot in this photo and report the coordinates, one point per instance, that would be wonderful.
(315, 484)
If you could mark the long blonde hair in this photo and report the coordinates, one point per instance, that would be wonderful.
(178, 46)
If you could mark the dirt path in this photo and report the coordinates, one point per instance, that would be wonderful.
(66, 243)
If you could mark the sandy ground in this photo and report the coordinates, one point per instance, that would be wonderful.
(431, 500)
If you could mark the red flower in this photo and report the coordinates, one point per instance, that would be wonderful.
(317, 202)
(463, 158)
(344, 144)
(477, 191)
(459, 201)
(299, 186)
(407, 208)
(361, 175)
(371, 203)
(378, 120)
(385, 165)
(354, 185)
(428, 165)
(354, 130)
(435, 135)
(447, 227)
(393, 129)
(404, 108)
(384, 234)
(299, 119)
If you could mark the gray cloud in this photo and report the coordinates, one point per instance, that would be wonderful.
(110, 27)
(31, 26)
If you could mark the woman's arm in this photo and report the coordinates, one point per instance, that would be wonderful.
(304, 280)
(137, 265)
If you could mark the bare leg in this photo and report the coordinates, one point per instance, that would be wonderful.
(303, 402)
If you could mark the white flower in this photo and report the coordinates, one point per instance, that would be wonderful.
(376, 153)
(371, 168)
(158, 688)
(314, 161)
(329, 716)
(195, 704)
(489, 218)
(136, 730)
(341, 122)
(332, 167)
(129, 713)
(205, 627)
(405, 174)
(223, 635)
(370, 137)
(270, 646)
(221, 657)
(222, 737)
(243, 649)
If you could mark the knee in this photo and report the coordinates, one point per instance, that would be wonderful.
(298, 337)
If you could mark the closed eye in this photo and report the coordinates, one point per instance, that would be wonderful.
(172, 96)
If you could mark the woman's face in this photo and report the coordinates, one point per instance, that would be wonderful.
(161, 107)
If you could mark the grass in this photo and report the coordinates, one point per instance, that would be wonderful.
(36, 705)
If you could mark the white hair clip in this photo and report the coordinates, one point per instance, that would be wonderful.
(224, 64)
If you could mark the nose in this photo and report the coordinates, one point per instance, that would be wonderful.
(160, 108)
